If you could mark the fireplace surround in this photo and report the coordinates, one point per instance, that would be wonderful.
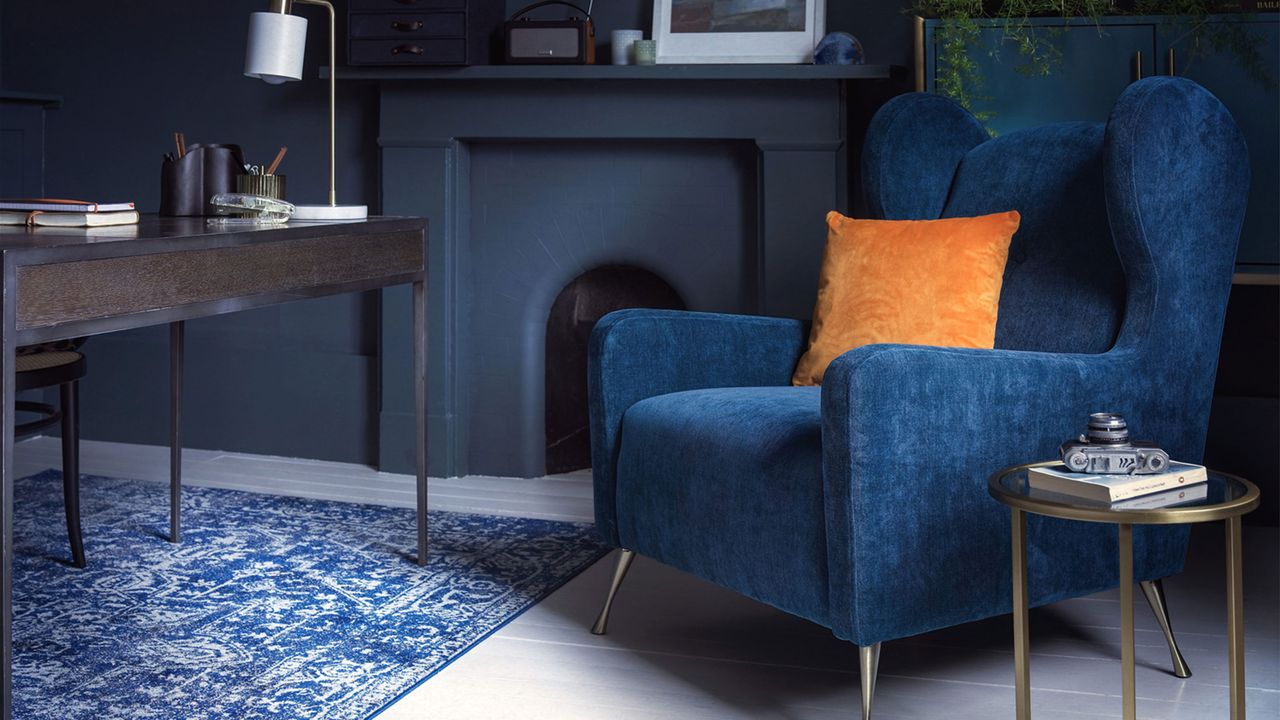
(718, 187)
(575, 312)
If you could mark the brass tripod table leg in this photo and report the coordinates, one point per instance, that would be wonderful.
(1128, 689)
(1235, 617)
(1021, 640)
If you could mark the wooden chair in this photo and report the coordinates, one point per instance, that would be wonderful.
(45, 366)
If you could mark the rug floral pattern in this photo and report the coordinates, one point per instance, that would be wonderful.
(271, 607)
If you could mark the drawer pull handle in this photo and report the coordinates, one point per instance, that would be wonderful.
(403, 26)
(407, 2)
(411, 49)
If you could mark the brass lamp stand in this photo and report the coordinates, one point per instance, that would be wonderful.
(277, 44)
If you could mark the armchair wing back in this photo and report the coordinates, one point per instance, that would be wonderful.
(1121, 224)
(863, 506)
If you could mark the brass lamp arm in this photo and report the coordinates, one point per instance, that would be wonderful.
(286, 6)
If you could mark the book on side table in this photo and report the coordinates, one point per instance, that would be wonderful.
(1165, 498)
(1113, 488)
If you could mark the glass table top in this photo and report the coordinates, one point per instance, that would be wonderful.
(1222, 496)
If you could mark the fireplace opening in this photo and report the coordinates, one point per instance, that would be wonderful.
(577, 308)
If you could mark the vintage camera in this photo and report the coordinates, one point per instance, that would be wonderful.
(1107, 450)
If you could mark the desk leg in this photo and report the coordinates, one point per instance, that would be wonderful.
(7, 392)
(176, 340)
(1235, 617)
(1021, 638)
(1128, 689)
(420, 408)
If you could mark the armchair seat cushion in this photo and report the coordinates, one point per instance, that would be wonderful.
(725, 483)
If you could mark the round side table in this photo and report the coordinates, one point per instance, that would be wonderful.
(1227, 498)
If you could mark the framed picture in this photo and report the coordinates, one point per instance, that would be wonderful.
(738, 31)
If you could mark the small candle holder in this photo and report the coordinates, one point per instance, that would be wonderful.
(623, 44)
(646, 52)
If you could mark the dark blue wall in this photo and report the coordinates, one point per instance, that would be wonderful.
(132, 74)
(298, 380)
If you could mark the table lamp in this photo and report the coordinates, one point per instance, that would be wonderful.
(277, 42)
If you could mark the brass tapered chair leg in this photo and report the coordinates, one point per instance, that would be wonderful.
(1154, 590)
(868, 666)
(619, 571)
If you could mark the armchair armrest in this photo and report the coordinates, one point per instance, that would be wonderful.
(910, 436)
(637, 354)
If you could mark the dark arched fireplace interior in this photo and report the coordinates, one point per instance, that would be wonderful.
(577, 308)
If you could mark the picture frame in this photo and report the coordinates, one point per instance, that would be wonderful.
(737, 31)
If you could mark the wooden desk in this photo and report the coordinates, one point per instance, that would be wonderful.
(65, 283)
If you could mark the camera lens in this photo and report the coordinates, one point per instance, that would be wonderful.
(1108, 429)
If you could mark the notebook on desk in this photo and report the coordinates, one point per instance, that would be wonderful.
(59, 205)
(69, 219)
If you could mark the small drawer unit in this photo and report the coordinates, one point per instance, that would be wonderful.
(407, 26)
(424, 32)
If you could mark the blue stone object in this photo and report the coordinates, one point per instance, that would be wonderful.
(839, 48)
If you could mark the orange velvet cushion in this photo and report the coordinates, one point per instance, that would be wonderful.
(915, 282)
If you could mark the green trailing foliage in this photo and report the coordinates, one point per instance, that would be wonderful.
(1205, 38)
(960, 39)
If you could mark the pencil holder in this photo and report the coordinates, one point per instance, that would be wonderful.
(271, 186)
(187, 183)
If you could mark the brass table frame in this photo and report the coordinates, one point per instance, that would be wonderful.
(58, 283)
(1230, 511)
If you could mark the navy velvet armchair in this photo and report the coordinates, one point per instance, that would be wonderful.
(862, 505)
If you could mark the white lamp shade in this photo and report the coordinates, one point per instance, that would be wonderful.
(277, 42)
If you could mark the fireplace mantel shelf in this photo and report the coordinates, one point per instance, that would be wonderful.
(621, 72)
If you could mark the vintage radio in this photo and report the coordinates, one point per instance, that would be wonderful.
(564, 42)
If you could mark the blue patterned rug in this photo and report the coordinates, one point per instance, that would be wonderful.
(271, 607)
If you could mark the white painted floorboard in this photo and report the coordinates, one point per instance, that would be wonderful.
(679, 647)
(560, 497)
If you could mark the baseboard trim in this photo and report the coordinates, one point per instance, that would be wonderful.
(562, 497)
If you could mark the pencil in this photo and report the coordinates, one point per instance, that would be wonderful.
(181, 142)
(271, 169)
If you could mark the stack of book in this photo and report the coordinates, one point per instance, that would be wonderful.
(1182, 483)
(66, 213)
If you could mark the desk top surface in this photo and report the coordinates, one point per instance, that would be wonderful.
(69, 283)
(158, 234)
